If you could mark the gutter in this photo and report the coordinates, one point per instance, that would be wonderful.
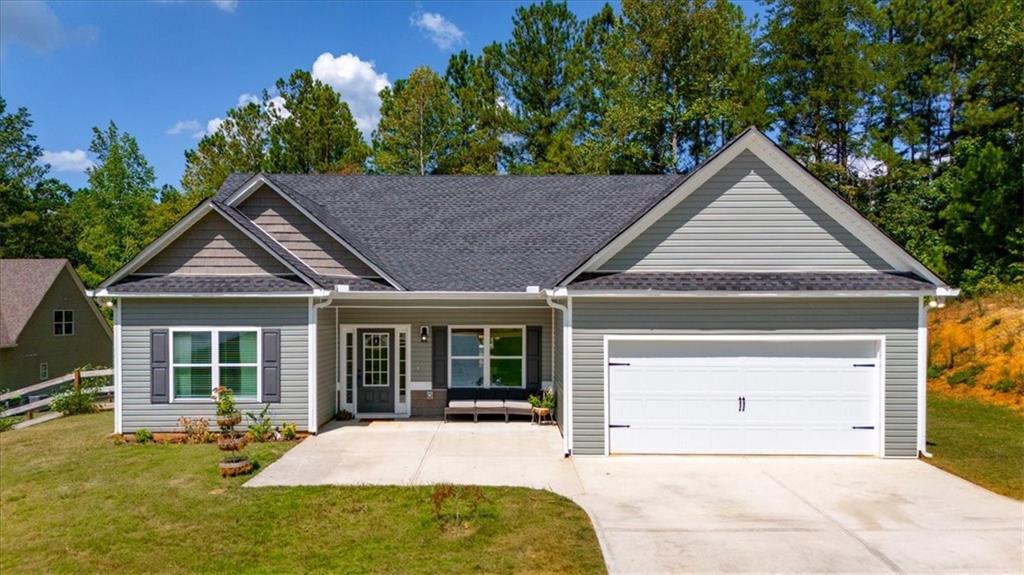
(566, 310)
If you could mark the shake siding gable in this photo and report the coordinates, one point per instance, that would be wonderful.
(746, 217)
(140, 316)
(213, 246)
(303, 237)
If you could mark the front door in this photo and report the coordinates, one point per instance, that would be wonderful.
(375, 370)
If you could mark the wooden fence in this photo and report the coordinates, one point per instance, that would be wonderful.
(76, 376)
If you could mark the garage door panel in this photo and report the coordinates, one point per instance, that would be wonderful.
(808, 397)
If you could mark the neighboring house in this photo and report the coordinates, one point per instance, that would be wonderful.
(743, 308)
(48, 326)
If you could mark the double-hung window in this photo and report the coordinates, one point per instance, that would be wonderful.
(487, 356)
(204, 359)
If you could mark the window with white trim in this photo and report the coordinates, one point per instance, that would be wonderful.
(63, 322)
(487, 357)
(202, 360)
(44, 371)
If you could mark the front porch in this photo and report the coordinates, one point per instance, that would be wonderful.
(424, 452)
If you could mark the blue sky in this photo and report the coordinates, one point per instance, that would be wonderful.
(165, 71)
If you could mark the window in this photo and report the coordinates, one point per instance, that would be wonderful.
(350, 374)
(207, 359)
(44, 371)
(401, 366)
(487, 357)
(63, 322)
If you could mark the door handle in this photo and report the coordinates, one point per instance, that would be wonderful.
(742, 401)
(739, 404)
(613, 426)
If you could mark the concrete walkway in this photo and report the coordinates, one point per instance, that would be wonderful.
(663, 514)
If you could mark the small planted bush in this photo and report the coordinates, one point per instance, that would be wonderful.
(965, 376)
(144, 436)
(6, 423)
(458, 507)
(289, 431)
(75, 401)
(260, 427)
(195, 430)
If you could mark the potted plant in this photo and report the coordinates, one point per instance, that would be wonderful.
(543, 404)
(228, 416)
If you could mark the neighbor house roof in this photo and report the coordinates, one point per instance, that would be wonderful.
(471, 233)
(754, 282)
(23, 284)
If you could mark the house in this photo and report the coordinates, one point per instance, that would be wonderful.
(743, 308)
(48, 327)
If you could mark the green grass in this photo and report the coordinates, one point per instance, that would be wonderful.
(73, 501)
(980, 442)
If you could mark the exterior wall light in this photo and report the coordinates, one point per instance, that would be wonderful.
(424, 333)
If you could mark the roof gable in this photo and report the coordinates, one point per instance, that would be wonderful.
(24, 284)
(824, 201)
(746, 217)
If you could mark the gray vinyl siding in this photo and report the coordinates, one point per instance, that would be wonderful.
(139, 316)
(431, 313)
(745, 218)
(895, 318)
(213, 246)
(302, 236)
(326, 365)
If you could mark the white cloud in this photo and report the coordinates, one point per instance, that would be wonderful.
(441, 31)
(247, 98)
(182, 126)
(357, 83)
(212, 126)
(277, 105)
(225, 5)
(67, 160)
(34, 25)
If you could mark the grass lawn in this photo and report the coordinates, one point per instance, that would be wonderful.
(72, 501)
(980, 442)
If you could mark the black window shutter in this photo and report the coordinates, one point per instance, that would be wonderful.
(533, 355)
(271, 366)
(158, 366)
(439, 364)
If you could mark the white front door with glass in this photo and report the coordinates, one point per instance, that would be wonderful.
(203, 359)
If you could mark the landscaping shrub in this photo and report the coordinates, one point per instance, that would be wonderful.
(260, 426)
(7, 423)
(144, 436)
(82, 400)
(289, 431)
(195, 430)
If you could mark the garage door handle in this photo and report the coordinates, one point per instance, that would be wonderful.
(863, 426)
(863, 365)
(612, 426)
(617, 364)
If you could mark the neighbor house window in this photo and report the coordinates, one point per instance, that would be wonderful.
(44, 371)
(203, 360)
(63, 322)
(487, 356)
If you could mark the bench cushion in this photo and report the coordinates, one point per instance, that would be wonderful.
(461, 404)
(518, 405)
(490, 404)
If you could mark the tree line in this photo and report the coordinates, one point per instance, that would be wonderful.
(911, 109)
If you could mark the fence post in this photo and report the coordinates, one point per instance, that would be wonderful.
(78, 380)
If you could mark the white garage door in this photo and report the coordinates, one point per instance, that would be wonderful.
(771, 397)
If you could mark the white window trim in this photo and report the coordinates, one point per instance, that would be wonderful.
(63, 322)
(44, 371)
(215, 363)
(487, 355)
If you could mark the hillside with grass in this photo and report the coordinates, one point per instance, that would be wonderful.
(976, 349)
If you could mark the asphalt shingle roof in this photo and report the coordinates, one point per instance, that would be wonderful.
(750, 281)
(23, 284)
(472, 233)
(210, 284)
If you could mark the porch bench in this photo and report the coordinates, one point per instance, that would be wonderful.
(460, 407)
(491, 407)
(518, 407)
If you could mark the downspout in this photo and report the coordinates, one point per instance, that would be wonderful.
(922, 378)
(566, 310)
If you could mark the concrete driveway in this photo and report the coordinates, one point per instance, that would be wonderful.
(796, 515)
(663, 514)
